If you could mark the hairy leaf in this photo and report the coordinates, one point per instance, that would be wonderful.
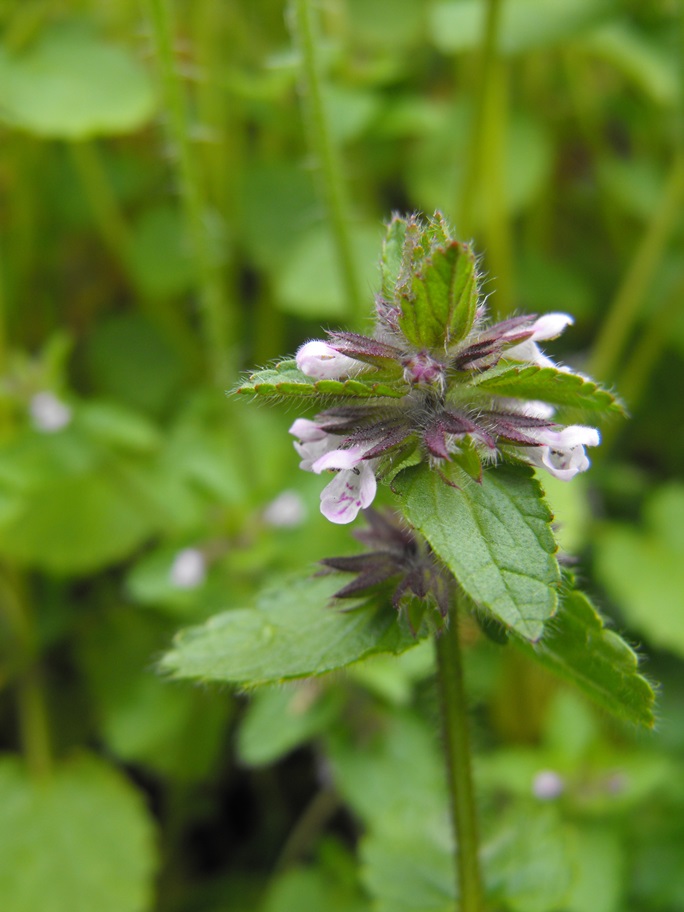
(579, 648)
(548, 384)
(495, 537)
(292, 632)
(285, 381)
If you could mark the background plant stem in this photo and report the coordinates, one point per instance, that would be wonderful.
(325, 150)
(458, 758)
(623, 311)
(472, 175)
(218, 324)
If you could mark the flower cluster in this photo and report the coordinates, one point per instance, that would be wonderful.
(435, 382)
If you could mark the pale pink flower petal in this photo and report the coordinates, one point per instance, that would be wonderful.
(306, 430)
(350, 490)
(319, 360)
(562, 452)
(340, 459)
(548, 326)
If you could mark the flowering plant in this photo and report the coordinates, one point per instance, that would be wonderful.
(435, 383)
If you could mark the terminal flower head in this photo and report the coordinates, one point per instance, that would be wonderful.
(436, 381)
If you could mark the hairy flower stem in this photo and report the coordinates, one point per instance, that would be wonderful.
(459, 775)
(217, 319)
(325, 150)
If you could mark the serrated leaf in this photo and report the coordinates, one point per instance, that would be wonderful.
(285, 380)
(579, 648)
(292, 632)
(549, 385)
(392, 257)
(441, 307)
(495, 537)
(77, 841)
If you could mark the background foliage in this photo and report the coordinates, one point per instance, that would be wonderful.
(166, 223)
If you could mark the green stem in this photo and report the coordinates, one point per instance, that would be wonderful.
(472, 176)
(217, 320)
(498, 239)
(101, 198)
(458, 758)
(616, 327)
(31, 708)
(325, 150)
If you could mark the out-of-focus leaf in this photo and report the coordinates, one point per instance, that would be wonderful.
(571, 511)
(159, 255)
(600, 874)
(117, 426)
(312, 890)
(77, 841)
(351, 111)
(436, 170)
(647, 65)
(529, 861)
(70, 84)
(643, 570)
(388, 23)
(175, 729)
(504, 553)
(128, 359)
(310, 285)
(635, 185)
(577, 646)
(393, 677)
(278, 720)
(292, 632)
(458, 25)
(548, 384)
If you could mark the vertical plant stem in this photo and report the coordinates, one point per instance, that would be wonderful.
(31, 708)
(458, 759)
(472, 176)
(218, 323)
(103, 202)
(326, 152)
(498, 239)
(623, 311)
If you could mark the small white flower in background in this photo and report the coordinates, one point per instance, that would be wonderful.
(286, 511)
(48, 413)
(547, 785)
(319, 360)
(189, 569)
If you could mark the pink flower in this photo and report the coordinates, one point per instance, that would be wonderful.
(319, 360)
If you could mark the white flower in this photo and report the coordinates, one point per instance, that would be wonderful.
(350, 491)
(286, 511)
(354, 486)
(547, 785)
(319, 360)
(548, 326)
(189, 569)
(561, 452)
(48, 413)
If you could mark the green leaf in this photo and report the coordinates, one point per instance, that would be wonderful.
(280, 719)
(643, 570)
(548, 384)
(77, 841)
(292, 632)
(495, 537)
(69, 84)
(391, 260)
(441, 307)
(579, 648)
(285, 380)
(458, 25)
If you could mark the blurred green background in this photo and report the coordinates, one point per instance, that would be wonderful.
(191, 189)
